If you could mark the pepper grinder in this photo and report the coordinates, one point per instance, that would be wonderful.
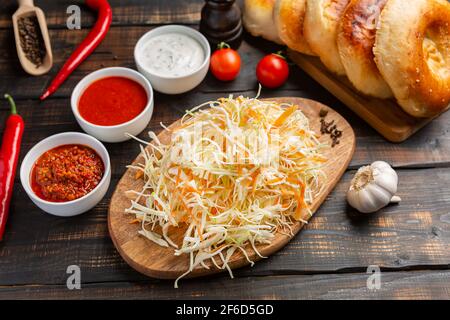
(221, 22)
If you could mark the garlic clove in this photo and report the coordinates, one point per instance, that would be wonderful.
(382, 165)
(361, 200)
(353, 199)
(387, 180)
(380, 196)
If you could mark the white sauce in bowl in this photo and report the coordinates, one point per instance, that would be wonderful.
(172, 55)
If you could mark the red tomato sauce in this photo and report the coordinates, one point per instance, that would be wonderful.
(66, 173)
(112, 101)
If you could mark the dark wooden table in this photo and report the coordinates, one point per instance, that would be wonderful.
(328, 259)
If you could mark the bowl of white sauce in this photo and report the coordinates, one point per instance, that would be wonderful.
(175, 59)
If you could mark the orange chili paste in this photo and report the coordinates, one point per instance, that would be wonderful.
(66, 173)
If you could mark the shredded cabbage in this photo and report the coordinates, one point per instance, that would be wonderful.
(232, 176)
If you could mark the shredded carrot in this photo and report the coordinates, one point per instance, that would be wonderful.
(255, 176)
(287, 193)
(184, 218)
(199, 232)
(275, 180)
(244, 120)
(139, 174)
(254, 114)
(239, 169)
(300, 201)
(298, 155)
(293, 180)
(285, 205)
(281, 119)
(157, 205)
(298, 211)
(319, 159)
(189, 188)
(219, 247)
(177, 181)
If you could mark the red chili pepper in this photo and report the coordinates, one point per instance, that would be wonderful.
(9, 154)
(88, 45)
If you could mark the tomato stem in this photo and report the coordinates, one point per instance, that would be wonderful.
(223, 45)
(280, 54)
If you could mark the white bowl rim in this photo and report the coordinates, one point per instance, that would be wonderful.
(173, 28)
(95, 77)
(30, 191)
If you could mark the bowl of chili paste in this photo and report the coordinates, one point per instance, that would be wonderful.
(66, 174)
(113, 103)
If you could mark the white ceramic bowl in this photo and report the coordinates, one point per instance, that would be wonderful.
(168, 84)
(80, 205)
(114, 133)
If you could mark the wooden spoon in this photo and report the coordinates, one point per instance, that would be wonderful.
(27, 9)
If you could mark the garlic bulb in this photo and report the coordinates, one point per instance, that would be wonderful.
(373, 187)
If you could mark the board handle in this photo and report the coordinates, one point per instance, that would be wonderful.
(26, 3)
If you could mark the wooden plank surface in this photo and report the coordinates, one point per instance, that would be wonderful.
(328, 260)
(126, 12)
(394, 285)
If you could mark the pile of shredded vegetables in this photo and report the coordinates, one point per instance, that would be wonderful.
(252, 171)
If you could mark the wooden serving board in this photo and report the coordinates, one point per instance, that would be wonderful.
(384, 115)
(159, 262)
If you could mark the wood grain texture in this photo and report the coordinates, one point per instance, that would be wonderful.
(125, 12)
(394, 285)
(160, 262)
(385, 116)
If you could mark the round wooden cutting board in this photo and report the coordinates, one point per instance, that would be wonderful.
(160, 262)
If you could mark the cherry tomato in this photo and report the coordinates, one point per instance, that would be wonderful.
(225, 63)
(272, 71)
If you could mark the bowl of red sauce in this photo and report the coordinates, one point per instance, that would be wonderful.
(113, 102)
(66, 174)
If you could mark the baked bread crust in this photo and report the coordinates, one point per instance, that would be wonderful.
(259, 21)
(403, 52)
(289, 16)
(356, 38)
(412, 52)
(321, 27)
